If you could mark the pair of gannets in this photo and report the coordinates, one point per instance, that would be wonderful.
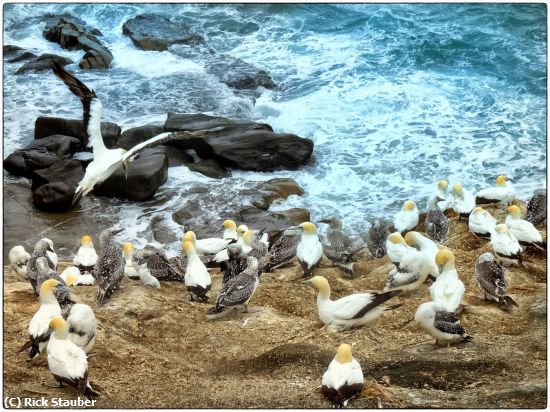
(407, 218)
(502, 193)
(86, 256)
(19, 258)
(523, 230)
(343, 380)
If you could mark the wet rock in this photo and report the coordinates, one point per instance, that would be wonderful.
(210, 168)
(297, 215)
(53, 197)
(11, 50)
(43, 62)
(73, 34)
(162, 230)
(40, 154)
(189, 122)
(47, 126)
(152, 32)
(264, 219)
(145, 175)
(64, 170)
(24, 55)
(131, 137)
(274, 189)
(177, 157)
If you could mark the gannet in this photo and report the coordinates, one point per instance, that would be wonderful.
(209, 246)
(222, 255)
(350, 311)
(536, 208)
(82, 326)
(235, 264)
(309, 251)
(39, 331)
(109, 269)
(45, 272)
(413, 270)
(339, 248)
(491, 279)
(19, 259)
(282, 247)
(426, 246)
(462, 200)
(448, 289)
(106, 161)
(376, 238)
(41, 249)
(503, 192)
(407, 218)
(396, 248)
(524, 231)
(131, 269)
(67, 362)
(157, 263)
(230, 229)
(197, 279)
(436, 223)
(343, 380)
(238, 290)
(440, 195)
(440, 324)
(50, 252)
(481, 223)
(72, 277)
(506, 246)
(86, 256)
(258, 249)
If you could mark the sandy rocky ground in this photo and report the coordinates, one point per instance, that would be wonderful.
(157, 349)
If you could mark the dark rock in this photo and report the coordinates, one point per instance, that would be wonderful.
(43, 62)
(53, 197)
(152, 32)
(263, 219)
(274, 189)
(210, 168)
(25, 55)
(162, 232)
(73, 34)
(145, 175)
(131, 137)
(40, 154)
(188, 122)
(69, 171)
(297, 215)
(10, 50)
(47, 126)
(176, 157)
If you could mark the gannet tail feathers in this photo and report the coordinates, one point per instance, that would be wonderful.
(77, 196)
(506, 302)
(378, 299)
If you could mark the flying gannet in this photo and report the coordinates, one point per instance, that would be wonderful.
(462, 200)
(343, 380)
(506, 246)
(525, 232)
(86, 256)
(109, 269)
(440, 324)
(82, 326)
(536, 208)
(407, 218)
(502, 193)
(310, 250)
(436, 223)
(197, 279)
(19, 258)
(481, 223)
(491, 279)
(376, 238)
(448, 289)
(72, 277)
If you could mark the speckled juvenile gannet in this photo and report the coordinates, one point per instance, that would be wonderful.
(481, 223)
(536, 208)
(109, 269)
(448, 289)
(339, 248)
(343, 380)
(131, 269)
(441, 196)
(197, 279)
(82, 326)
(86, 256)
(350, 311)
(41, 249)
(19, 258)
(376, 238)
(407, 218)
(309, 251)
(436, 223)
(396, 248)
(157, 263)
(462, 200)
(45, 272)
(39, 331)
(72, 277)
(491, 279)
(440, 324)
(238, 290)
(524, 231)
(282, 247)
(506, 246)
(235, 264)
(68, 362)
(503, 192)
(427, 247)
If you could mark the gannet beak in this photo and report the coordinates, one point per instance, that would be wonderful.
(306, 282)
(327, 221)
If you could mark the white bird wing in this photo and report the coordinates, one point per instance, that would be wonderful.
(348, 306)
(153, 141)
(523, 230)
(66, 359)
(212, 245)
(506, 244)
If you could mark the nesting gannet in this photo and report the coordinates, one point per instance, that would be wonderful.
(491, 279)
(396, 248)
(426, 246)
(68, 362)
(197, 279)
(440, 324)
(282, 247)
(19, 258)
(524, 231)
(339, 248)
(106, 161)
(506, 246)
(462, 200)
(448, 289)
(109, 269)
(343, 380)
(350, 311)
(131, 269)
(503, 192)
(41, 249)
(157, 263)
(238, 290)
(376, 238)
(86, 256)
(407, 218)
(440, 195)
(235, 264)
(309, 251)
(39, 331)
(82, 326)
(72, 277)
(230, 229)
(436, 223)
(207, 246)
(536, 208)
(481, 223)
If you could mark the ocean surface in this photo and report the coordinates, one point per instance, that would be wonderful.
(395, 96)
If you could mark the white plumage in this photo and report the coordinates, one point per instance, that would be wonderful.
(503, 192)
(396, 248)
(506, 246)
(462, 200)
(343, 379)
(51, 253)
(197, 279)
(131, 269)
(230, 229)
(209, 246)
(82, 326)
(223, 256)
(481, 223)
(310, 250)
(440, 324)
(441, 195)
(19, 258)
(448, 289)
(86, 256)
(406, 218)
(72, 277)
(524, 231)
(427, 247)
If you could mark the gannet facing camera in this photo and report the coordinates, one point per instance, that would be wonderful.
(310, 250)
(407, 218)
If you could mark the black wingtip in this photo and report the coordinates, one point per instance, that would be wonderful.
(507, 302)
(467, 338)
(76, 198)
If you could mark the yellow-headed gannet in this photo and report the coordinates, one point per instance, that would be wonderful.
(222, 255)
(197, 279)
(309, 251)
(86, 256)
(491, 279)
(230, 229)
(536, 208)
(448, 289)
(19, 259)
(63, 295)
(426, 246)
(440, 324)
(407, 218)
(396, 248)
(524, 231)
(258, 249)
(208, 246)
(503, 192)
(462, 200)
(436, 223)
(82, 326)
(481, 223)
(441, 196)
(72, 277)
(506, 246)
(376, 238)
(131, 269)
(109, 269)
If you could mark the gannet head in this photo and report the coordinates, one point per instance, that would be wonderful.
(343, 354)
(478, 210)
(409, 205)
(128, 248)
(444, 256)
(308, 227)
(48, 286)
(229, 224)
(457, 188)
(59, 326)
(410, 238)
(442, 184)
(396, 238)
(319, 283)
(241, 230)
(190, 237)
(86, 240)
(71, 279)
(501, 180)
(514, 211)
(187, 247)
(502, 228)
(247, 237)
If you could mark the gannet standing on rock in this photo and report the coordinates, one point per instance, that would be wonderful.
(343, 380)
(109, 269)
(481, 223)
(506, 246)
(340, 248)
(86, 256)
(131, 269)
(82, 326)
(350, 311)
(436, 223)
(536, 208)
(440, 324)
(502, 193)
(309, 250)
(407, 218)
(282, 247)
(462, 201)
(376, 238)
(67, 362)
(41, 249)
(448, 289)
(524, 231)
(72, 277)
(19, 259)
(491, 279)
(197, 279)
